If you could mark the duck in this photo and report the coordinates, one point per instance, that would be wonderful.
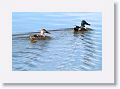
(82, 27)
(40, 36)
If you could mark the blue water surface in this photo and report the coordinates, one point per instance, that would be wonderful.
(65, 50)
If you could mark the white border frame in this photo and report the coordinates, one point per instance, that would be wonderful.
(104, 76)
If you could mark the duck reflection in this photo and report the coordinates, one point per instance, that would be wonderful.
(88, 47)
(89, 50)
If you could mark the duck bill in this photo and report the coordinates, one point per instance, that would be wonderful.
(87, 24)
(48, 32)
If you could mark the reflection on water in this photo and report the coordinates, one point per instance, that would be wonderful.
(65, 51)
(89, 58)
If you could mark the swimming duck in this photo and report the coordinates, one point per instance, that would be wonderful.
(39, 36)
(82, 27)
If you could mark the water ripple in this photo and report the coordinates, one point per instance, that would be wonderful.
(66, 51)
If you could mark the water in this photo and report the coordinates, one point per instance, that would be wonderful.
(65, 50)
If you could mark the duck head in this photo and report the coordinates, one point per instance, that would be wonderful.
(44, 31)
(83, 23)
